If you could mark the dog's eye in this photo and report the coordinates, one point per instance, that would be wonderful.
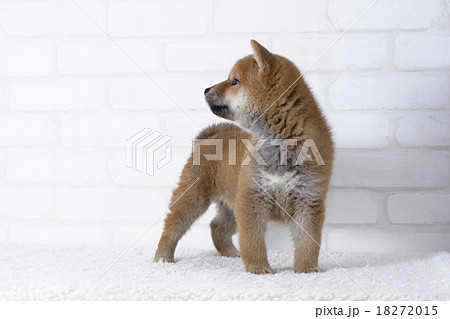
(235, 82)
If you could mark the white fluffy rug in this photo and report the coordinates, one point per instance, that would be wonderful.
(66, 273)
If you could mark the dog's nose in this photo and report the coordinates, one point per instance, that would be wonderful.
(207, 90)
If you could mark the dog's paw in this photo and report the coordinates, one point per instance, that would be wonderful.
(163, 259)
(309, 270)
(260, 270)
(232, 253)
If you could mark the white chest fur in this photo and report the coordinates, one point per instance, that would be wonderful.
(277, 182)
(289, 185)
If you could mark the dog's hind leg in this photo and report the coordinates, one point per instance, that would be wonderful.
(189, 201)
(223, 227)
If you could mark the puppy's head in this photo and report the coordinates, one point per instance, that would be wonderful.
(253, 87)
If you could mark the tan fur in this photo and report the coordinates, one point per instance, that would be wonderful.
(248, 196)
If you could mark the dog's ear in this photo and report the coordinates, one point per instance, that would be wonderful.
(261, 55)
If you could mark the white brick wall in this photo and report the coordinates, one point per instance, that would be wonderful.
(27, 129)
(73, 94)
(26, 202)
(103, 56)
(30, 58)
(203, 55)
(409, 53)
(41, 19)
(105, 129)
(381, 242)
(368, 51)
(70, 97)
(385, 14)
(90, 204)
(160, 18)
(424, 129)
(350, 206)
(360, 130)
(419, 208)
(254, 16)
(380, 169)
(397, 91)
(51, 167)
(144, 94)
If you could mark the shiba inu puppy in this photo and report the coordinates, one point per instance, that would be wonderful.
(264, 173)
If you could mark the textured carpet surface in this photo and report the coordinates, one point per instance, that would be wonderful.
(72, 273)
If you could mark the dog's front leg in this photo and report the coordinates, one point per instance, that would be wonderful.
(252, 220)
(306, 228)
